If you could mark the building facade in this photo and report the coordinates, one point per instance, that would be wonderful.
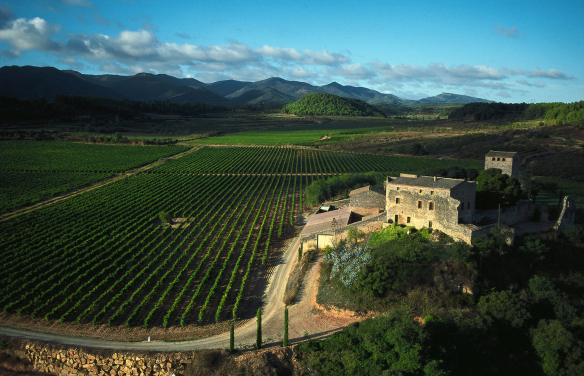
(439, 203)
(507, 161)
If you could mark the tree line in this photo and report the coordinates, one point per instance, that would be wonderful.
(560, 112)
(68, 107)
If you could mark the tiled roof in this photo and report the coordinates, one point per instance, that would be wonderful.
(364, 189)
(427, 182)
(323, 221)
(504, 154)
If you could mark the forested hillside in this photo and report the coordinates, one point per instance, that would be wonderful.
(330, 105)
(70, 106)
(570, 112)
(560, 112)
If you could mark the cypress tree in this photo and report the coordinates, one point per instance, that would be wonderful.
(259, 331)
(285, 343)
(232, 339)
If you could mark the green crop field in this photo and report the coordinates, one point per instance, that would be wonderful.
(32, 171)
(308, 134)
(75, 157)
(107, 257)
(25, 188)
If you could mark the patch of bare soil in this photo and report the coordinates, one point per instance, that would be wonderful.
(113, 333)
(273, 361)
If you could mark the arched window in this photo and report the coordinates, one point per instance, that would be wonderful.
(503, 159)
(498, 159)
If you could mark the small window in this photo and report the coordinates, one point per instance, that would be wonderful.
(420, 191)
(493, 158)
(396, 218)
(409, 219)
(498, 159)
(419, 204)
(430, 206)
(397, 188)
(430, 224)
(431, 192)
(503, 159)
(397, 200)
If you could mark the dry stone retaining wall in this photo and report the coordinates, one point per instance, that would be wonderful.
(77, 361)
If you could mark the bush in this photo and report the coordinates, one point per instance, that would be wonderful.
(506, 306)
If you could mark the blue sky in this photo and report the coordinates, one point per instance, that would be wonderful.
(499, 50)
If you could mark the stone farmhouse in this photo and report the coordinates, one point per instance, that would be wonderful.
(434, 202)
(439, 203)
(507, 161)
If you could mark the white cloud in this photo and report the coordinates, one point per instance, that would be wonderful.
(510, 33)
(77, 3)
(504, 94)
(350, 71)
(551, 73)
(524, 82)
(324, 57)
(25, 35)
(279, 53)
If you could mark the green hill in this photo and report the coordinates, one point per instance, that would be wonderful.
(330, 105)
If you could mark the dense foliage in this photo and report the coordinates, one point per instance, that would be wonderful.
(494, 188)
(537, 329)
(561, 112)
(322, 190)
(486, 111)
(400, 262)
(330, 105)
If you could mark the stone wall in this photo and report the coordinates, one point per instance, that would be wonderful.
(509, 166)
(372, 223)
(567, 216)
(64, 361)
(511, 215)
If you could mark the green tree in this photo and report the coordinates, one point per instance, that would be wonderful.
(559, 350)
(232, 339)
(494, 188)
(354, 234)
(506, 306)
(533, 250)
(259, 329)
(285, 342)
(165, 217)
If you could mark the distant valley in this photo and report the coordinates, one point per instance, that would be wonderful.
(30, 82)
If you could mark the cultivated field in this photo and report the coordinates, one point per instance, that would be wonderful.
(106, 257)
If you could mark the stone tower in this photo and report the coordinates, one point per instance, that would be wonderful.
(507, 161)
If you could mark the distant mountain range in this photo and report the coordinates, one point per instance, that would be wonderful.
(45, 82)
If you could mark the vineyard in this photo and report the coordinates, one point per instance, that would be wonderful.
(32, 171)
(107, 256)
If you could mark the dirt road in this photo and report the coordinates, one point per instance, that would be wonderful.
(305, 320)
